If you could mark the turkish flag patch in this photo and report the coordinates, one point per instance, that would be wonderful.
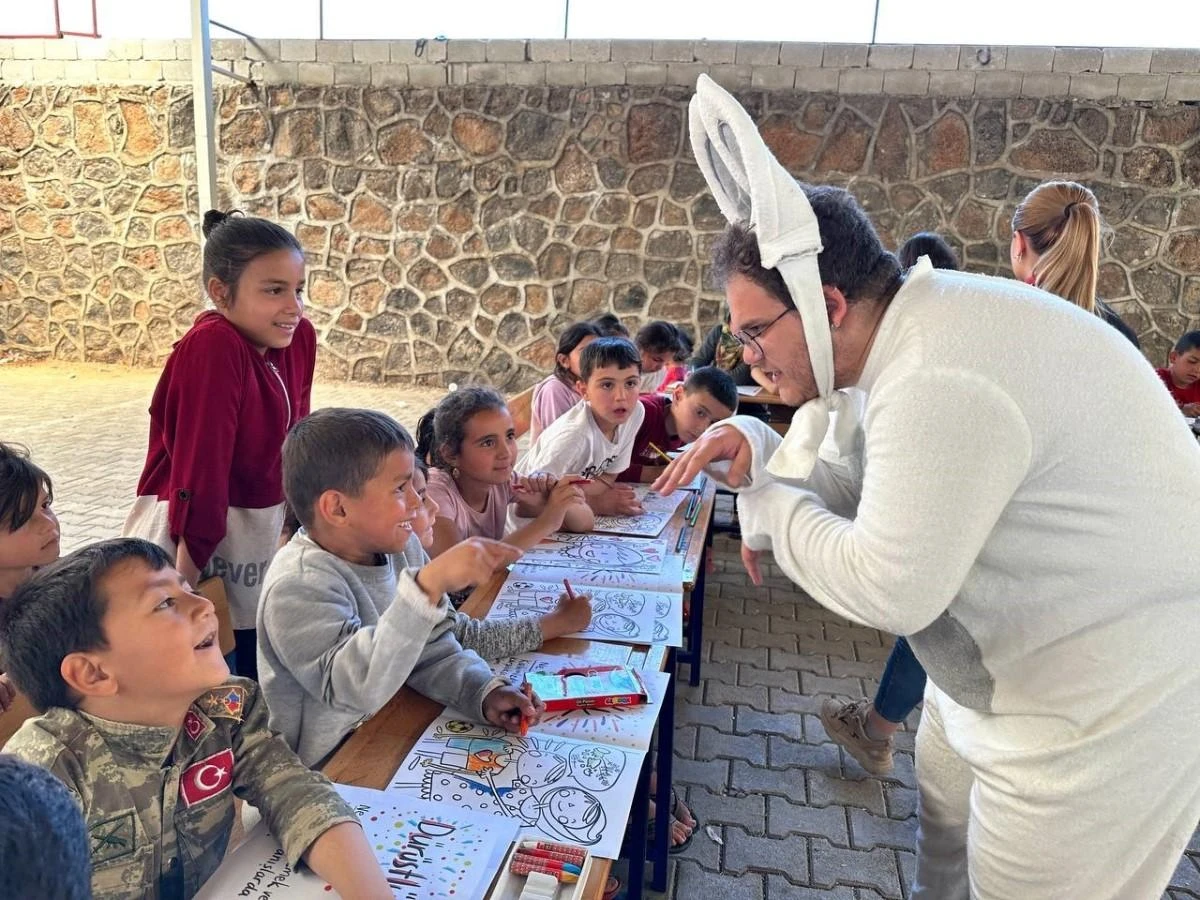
(207, 778)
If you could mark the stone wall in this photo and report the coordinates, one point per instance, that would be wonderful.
(451, 231)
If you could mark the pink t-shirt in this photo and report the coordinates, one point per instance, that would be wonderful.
(470, 522)
(551, 398)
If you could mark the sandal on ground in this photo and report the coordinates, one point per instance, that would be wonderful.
(676, 803)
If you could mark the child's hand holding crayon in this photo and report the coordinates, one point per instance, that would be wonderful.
(513, 709)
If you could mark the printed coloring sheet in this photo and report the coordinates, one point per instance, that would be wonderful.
(553, 788)
(629, 615)
(658, 511)
(598, 552)
(625, 726)
(427, 851)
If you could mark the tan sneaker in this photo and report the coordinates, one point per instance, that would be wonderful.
(846, 723)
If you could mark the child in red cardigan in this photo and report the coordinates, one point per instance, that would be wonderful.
(211, 491)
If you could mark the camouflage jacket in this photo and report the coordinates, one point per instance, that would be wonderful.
(159, 801)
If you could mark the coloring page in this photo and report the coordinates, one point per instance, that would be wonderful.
(601, 654)
(668, 581)
(625, 726)
(554, 788)
(658, 512)
(618, 614)
(648, 524)
(654, 502)
(598, 552)
(427, 851)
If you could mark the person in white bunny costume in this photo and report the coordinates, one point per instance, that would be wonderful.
(1014, 499)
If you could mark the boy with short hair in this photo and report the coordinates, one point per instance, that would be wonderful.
(672, 420)
(55, 863)
(343, 624)
(144, 725)
(595, 438)
(1182, 374)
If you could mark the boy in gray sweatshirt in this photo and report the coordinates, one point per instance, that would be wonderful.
(342, 622)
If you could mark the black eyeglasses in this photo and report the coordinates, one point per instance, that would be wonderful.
(750, 339)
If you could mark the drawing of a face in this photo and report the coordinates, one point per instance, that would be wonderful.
(626, 602)
(661, 607)
(614, 624)
(606, 554)
(536, 768)
(572, 815)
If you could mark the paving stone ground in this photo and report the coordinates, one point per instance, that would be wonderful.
(785, 814)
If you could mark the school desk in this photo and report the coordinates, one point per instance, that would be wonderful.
(779, 412)
(370, 756)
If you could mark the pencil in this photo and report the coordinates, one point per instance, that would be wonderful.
(656, 449)
(567, 585)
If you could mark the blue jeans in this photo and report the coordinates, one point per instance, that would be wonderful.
(902, 685)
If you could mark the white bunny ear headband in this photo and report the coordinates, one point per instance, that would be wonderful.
(751, 186)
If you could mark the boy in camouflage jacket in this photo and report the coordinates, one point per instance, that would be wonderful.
(150, 734)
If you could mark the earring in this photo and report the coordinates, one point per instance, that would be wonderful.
(454, 472)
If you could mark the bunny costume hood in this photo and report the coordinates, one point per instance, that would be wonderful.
(751, 187)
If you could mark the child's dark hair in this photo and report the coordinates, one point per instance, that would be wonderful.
(43, 839)
(608, 351)
(717, 382)
(686, 345)
(1190, 341)
(610, 326)
(572, 337)
(659, 337)
(445, 425)
(20, 483)
(234, 241)
(60, 611)
(926, 243)
(336, 449)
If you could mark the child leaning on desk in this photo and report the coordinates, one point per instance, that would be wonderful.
(344, 623)
(595, 439)
(142, 722)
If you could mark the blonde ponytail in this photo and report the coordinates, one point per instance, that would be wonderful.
(1061, 221)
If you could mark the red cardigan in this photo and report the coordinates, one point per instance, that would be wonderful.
(217, 423)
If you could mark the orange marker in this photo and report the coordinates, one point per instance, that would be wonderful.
(528, 692)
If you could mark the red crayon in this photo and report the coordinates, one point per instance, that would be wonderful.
(573, 858)
(567, 585)
(557, 865)
(550, 845)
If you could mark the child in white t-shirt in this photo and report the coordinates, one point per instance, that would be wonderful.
(595, 438)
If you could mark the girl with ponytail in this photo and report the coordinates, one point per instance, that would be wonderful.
(1056, 246)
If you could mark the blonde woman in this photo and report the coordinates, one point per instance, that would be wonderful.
(1056, 246)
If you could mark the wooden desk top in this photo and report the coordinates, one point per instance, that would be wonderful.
(370, 756)
(763, 396)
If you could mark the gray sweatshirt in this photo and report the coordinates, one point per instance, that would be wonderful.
(337, 640)
(490, 638)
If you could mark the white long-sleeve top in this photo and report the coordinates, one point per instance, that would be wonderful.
(1021, 501)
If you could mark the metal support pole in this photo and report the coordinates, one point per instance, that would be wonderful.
(202, 107)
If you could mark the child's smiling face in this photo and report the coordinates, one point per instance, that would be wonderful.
(422, 522)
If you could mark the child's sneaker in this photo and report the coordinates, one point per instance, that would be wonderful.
(846, 723)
